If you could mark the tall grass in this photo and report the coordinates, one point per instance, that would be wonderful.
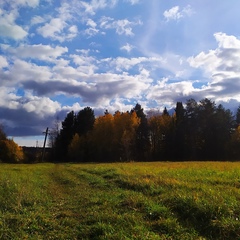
(160, 200)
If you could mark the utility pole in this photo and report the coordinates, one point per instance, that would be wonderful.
(44, 145)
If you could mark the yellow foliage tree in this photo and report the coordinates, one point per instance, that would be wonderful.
(125, 125)
(10, 151)
(101, 137)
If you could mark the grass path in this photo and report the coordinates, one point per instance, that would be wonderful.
(120, 201)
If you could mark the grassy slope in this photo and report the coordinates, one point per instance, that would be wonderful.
(190, 200)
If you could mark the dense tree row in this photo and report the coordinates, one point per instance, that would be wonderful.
(196, 131)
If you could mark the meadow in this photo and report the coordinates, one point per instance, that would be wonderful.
(150, 200)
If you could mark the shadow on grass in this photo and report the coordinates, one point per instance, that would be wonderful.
(204, 218)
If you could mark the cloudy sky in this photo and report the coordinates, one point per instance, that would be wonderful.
(61, 55)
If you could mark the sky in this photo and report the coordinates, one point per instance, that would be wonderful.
(61, 55)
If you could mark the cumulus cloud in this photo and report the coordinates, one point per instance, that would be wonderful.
(9, 13)
(9, 28)
(58, 29)
(221, 65)
(171, 92)
(36, 51)
(31, 113)
(223, 59)
(60, 26)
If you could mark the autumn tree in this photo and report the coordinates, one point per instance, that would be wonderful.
(77, 148)
(125, 125)
(9, 150)
(101, 139)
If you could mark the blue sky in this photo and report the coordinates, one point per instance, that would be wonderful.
(58, 56)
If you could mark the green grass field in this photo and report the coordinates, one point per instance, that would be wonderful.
(190, 200)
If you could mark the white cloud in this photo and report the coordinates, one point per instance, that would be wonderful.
(91, 23)
(41, 52)
(72, 32)
(86, 8)
(41, 106)
(92, 30)
(175, 13)
(226, 41)
(8, 98)
(26, 3)
(9, 29)
(122, 27)
(53, 29)
(221, 65)
(3, 62)
(60, 27)
(225, 58)
(22, 71)
(133, 1)
(37, 20)
(169, 93)
(172, 13)
(9, 15)
(128, 47)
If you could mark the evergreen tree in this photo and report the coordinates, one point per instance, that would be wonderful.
(142, 134)
(65, 136)
(238, 117)
(84, 121)
(191, 130)
(179, 131)
(165, 112)
(207, 130)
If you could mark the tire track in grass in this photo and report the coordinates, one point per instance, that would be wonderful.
(122, 210)
(139, 199)
(66, 192)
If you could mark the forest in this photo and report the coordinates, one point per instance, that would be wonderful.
(194, 131)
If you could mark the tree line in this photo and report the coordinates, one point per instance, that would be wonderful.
(195, 131)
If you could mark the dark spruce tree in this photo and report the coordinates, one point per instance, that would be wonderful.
(84, 121)
(180, 127)
(65, 136)
(142, 135)
(191, 130)
(238, 117)
(84, 124)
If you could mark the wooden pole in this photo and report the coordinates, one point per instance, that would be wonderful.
(44, 145)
